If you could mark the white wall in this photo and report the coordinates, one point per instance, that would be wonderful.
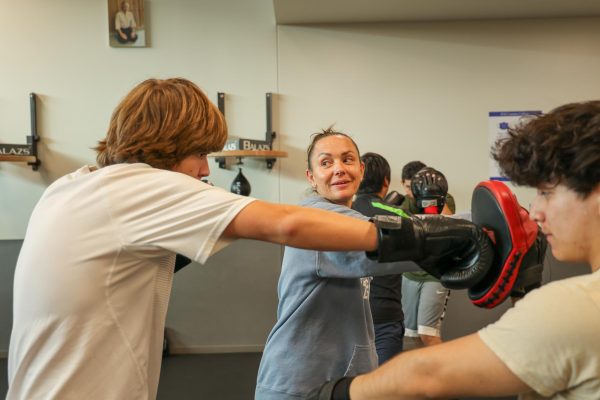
(423, 90)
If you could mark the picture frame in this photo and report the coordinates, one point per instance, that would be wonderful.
(126, 23)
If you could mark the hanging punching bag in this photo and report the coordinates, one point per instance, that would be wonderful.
(240, 185)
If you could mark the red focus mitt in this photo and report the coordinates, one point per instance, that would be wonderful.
(495, 208)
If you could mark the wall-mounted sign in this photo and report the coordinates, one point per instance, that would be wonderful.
(15, 150)
(499, 123)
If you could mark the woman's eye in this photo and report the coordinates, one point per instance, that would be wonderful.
(325, 163)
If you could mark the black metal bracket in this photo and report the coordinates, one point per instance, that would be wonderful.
(270, 162)
(255, 144)
(222, 162)
(34, 138)
(270, 134)
(30, 149)
(221, 102)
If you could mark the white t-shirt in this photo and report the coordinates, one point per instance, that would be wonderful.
(124, 20)
(94, 275)
(551, 339)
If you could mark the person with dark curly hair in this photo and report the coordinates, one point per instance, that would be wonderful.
(546, 347)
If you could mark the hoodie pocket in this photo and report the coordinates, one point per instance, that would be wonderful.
(364, 359)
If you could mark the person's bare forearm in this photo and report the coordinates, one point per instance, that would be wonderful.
(463, 367)
(323, 230)
(302, 227)
(404, 377)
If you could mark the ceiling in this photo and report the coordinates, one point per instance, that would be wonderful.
(366, 11)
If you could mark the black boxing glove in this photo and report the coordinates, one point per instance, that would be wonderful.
(332, 390)
(429, 187)
(470, 267)
(394, 198)
(453, 249)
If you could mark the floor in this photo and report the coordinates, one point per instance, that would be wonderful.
(205, 376)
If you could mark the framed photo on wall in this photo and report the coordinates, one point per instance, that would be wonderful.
(126, 23)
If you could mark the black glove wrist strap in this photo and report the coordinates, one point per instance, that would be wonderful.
(341, 390)
(396, 240)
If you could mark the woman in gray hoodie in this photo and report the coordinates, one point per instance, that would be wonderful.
(324, 328)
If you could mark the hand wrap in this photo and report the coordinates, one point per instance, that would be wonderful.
(333, 390)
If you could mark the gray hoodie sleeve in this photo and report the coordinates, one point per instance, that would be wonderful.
(355, 264)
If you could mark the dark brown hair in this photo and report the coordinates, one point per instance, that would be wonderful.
(411, 168)
(161, 122)
(315, 137)
(377, 169)
(560, 147)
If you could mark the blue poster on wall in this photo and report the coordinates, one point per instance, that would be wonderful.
(499, 123)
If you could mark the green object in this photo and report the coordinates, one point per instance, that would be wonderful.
(389, 208)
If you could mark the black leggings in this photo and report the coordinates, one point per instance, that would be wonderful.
(129, 34)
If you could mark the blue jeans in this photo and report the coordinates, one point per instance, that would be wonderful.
(389, 338)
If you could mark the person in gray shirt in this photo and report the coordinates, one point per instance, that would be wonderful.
(324, 327)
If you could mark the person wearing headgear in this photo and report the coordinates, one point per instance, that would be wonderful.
(546, 346)
(324, 327)
(423, 297)
(93, 278)
(385, 296)
(408, 202)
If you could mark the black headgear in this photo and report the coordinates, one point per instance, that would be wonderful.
(430, 187)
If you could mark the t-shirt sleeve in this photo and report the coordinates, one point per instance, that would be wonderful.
(545, 338)
(168, 210)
